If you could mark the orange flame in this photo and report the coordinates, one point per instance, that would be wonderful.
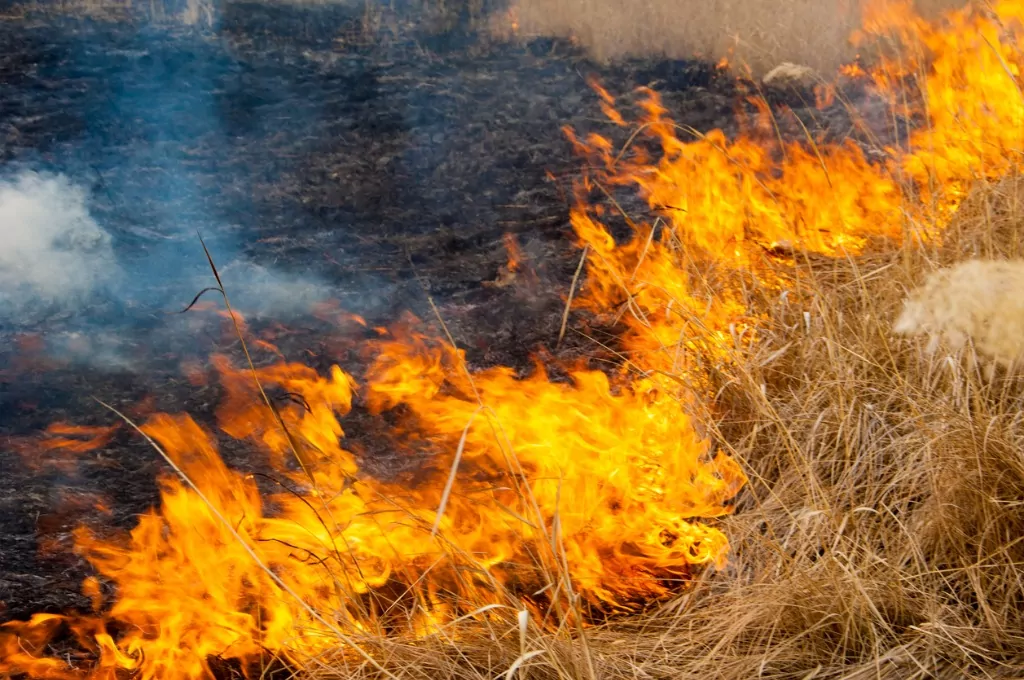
(65, 436)
(728, 201)
(516, 269)
(515, 255)
(612, 476)
(62, 444)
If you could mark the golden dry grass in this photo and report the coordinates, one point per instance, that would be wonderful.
(881, 533)
(756, 33)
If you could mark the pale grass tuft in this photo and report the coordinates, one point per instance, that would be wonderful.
(980, 302)
(789, 74)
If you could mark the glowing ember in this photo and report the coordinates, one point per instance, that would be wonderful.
(562, 496)
(77, 438)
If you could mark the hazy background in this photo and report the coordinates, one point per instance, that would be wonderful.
(760, 33)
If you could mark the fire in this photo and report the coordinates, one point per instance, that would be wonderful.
(516, 271)
(214, 574)
(568, 497)
(628, 474)
(77, 438)
(971, 97)
(515, 254)
(731, 202)
(61, 444)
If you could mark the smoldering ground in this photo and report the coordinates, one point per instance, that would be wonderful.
(380, 173)
(58, 262)
(312, 171)
(101, 222)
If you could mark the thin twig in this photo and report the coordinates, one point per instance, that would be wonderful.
(572, 291)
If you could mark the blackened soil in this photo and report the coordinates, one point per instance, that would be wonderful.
(387, 173)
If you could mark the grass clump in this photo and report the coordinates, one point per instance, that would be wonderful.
(976, 301)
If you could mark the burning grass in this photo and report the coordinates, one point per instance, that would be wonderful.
(876, 531)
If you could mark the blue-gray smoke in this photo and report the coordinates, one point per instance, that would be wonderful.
(102, 227)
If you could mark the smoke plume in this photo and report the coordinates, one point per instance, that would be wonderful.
(53, 254)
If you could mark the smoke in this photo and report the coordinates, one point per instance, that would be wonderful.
(56, 258)
(54, 255)
(266, 292)
(57, 261)
(177, 134)
(99, 244)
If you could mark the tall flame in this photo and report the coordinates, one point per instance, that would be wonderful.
(596, 491)
(727, 202)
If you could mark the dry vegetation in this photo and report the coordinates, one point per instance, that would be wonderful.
(880, 535)
(750, 33)
(881, 538)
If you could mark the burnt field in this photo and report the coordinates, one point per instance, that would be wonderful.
(377, 177)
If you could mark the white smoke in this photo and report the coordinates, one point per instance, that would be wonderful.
(52, 253)
(57, 262)
(266, 292)
(54, 256)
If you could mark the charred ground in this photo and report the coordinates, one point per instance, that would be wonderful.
(387, 171)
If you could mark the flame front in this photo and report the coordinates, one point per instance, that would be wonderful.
(723, 204)
(598, 491)
(582, 479)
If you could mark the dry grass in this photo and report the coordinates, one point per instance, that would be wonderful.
(757, 33)
(881, 533)
(880, 536)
